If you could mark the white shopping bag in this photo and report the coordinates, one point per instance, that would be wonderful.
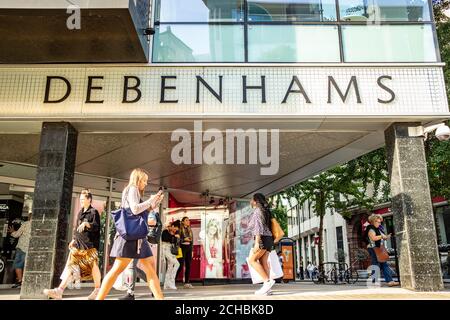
(276, 270)
(120, 282)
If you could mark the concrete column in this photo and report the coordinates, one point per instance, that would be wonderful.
(420, 267)
(46, 255)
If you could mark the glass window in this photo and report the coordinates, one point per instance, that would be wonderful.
(199, 43)
(384, 10)
(389, 43)
(293, 10)
(200, 10)
(275, 43)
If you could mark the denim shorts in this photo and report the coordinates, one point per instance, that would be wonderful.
(19, 260)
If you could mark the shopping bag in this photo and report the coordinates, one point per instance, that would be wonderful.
(120, 282)
(256, 278)
(276, 270)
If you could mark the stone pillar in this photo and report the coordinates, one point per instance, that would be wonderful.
(419, 262)
(46, 255)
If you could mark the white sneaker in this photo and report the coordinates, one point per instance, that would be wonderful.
(54, 293)
(170, 288)
(94, 294)
(265, 288)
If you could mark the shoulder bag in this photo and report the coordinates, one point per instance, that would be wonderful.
(130, 226)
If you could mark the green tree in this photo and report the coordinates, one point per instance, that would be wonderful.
(443, 34)
(334, 189)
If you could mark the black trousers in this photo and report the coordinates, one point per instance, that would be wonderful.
(185, 261)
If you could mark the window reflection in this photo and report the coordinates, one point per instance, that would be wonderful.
(384, 10)
(393, 43)
(199, 43)
(270, 43)
(294, 10)
(201, 10)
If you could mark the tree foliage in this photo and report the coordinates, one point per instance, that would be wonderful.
(341, 188)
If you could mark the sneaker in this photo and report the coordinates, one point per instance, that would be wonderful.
(170, 288)
(188, 286)
(16, 285)
(128, 296)
(393, 284)
(265, 288)
(94, 294)
(54, 293)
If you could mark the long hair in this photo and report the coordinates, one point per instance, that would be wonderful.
(264, 206)
(135, 177)
(211, 223)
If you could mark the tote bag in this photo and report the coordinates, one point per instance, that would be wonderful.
(277, 232)
(382, 254)
(131, 226)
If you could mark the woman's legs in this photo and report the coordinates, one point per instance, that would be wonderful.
(172, 267)
(265, 263)
(254, 262)
(152, 277)
(118, 267)
(97, 276)
(374, 264)
(180, 268)
(387, 272)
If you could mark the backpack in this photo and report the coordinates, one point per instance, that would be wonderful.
(154, 232)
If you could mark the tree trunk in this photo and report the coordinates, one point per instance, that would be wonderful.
(322, 214)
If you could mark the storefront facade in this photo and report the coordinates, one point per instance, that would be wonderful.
(322, 82)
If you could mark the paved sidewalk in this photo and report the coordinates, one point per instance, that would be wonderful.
(290, 291)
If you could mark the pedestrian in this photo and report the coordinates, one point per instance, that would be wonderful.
(187, 244)
(132, 271)
(169, 246)
(82, 263)
(126, 250)
(310, 269)
(23, 233)
(374, 238)
(302, 274)
(260, 226)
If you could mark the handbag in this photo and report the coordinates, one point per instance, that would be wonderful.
(382, 254)
(180, 253)
(131, 226)
(277, 232)
(154, 232)
(174, 249)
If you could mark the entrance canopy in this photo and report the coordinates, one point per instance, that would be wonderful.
(126, 117)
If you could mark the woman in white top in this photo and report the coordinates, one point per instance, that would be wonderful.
(124, 251)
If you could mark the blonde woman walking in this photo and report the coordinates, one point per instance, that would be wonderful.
(126, 250)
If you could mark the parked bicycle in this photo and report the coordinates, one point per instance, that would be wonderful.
(335, 272)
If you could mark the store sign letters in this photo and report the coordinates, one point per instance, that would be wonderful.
(133, 91)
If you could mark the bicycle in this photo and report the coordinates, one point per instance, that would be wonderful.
(338, 272)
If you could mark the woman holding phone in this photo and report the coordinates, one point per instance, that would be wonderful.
(126, 250)
(187, 244)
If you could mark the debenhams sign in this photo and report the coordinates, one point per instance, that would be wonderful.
(132, 90)
(128, 91)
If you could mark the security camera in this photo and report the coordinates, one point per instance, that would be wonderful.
(149, 31)
(443, 133)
